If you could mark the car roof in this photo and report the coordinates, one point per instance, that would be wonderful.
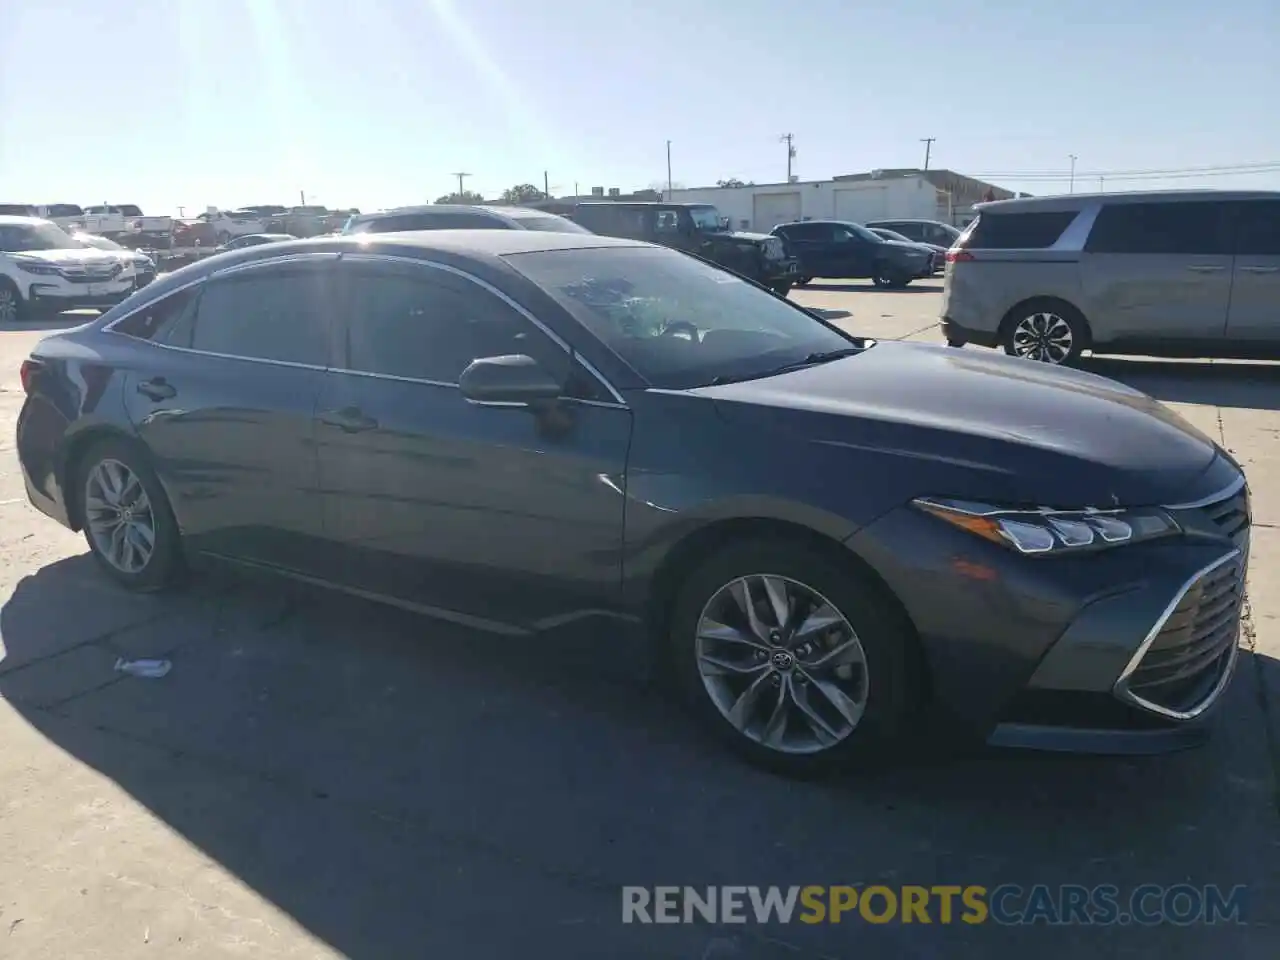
(491, 243)
(515, 213)
(884, 220)
(1075, 201)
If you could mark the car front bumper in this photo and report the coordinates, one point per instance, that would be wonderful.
(57, 293)
(1127, 650)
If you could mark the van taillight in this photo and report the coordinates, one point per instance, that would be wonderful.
(30, 367)
(958, 256)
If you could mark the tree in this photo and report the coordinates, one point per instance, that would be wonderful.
(522, 193)
(466, 196)
(734, 182)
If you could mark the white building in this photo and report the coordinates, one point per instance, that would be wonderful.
(879, 195)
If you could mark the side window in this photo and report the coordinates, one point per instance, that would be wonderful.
(1161, 228)
(1034, 230)
(912, 231)
(1258, 230)
(156, 320)
(470, 221)
(430, 325)
(667, 223)
(280, 313)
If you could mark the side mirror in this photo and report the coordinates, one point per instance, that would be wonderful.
(516, 379)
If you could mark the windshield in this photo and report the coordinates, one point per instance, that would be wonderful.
(890, 235)
(550, 224)
(677, 321)
(860, 231)
(97, 243)
(706, 219)
(40, 236)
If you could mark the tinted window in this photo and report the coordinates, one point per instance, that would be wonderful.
(65, 210)
(911, 231)
(550, 224)
(154, 321)
(129, 210)
(804, 231)
(1166, 228)
(1033, 230)
(677, 321)
(1258, 232)
(938, 233)
(431, 325)
(666, 222)
(270, 314)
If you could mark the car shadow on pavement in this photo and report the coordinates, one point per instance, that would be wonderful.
(917, 286)
(402, 788)
(1234, 384)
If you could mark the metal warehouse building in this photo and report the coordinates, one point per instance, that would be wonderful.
(879, 195)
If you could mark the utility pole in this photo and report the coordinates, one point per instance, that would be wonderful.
(1072, 187)
(668, 171)
(928, 146)
(546, 186)
(302, 198)
(460, 176)
(790, 140)
(1101, 188)
(575, 190)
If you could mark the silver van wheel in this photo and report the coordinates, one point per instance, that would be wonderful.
(119, 516)
(8, 304)
(1044, 336)
(782, 664)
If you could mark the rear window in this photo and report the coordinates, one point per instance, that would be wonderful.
(65, 210)
(550, 225)
(1033, 230)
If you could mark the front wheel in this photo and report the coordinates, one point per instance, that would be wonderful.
(1047, 331)
(13, 309)
(128, 522)
(794, 659)
(804, 281)
(887, 278)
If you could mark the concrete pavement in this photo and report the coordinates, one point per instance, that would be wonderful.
(319, 777)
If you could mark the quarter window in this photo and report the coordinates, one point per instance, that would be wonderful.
(1034, 230)
(1258, 233)
(432, 327)
(279, 314)
(1193, 228)
(154, 321)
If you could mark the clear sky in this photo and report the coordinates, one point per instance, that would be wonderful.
(374, 103)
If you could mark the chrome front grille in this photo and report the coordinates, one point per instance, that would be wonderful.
(1186, 664)
(91, 273)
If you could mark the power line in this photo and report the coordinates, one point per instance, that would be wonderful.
(1241, 169)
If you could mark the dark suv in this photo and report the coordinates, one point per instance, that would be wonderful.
(699, 229)
(848, 251)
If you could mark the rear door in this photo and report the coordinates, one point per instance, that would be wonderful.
(810, 244)
(226, 403)
(1159, 271)
(484, 511)
(1254, 317)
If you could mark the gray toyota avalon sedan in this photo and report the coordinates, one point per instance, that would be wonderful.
(826, 539)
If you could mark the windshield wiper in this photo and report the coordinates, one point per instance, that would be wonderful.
(813, 359)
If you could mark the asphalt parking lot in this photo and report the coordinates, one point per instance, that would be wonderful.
(320, 777)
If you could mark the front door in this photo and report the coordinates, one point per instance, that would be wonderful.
(1158, 271)
(1254, 317)
(849, 254)
(229, 414)
(487, 513)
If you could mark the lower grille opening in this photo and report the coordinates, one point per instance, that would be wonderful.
(1188, 657)
(1079, 710)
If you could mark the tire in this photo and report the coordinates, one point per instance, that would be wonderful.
(781, 289)
(1063, 336)
(804, 281)
(165, 563)
(13, 309)
(887, 278)
(886, 683)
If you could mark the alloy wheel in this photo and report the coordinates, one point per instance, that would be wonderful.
(8, 305)
(1043, 336)
(120, 517)
(782, 664)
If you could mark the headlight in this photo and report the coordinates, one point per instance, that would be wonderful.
(1042, 530)
(38, 267)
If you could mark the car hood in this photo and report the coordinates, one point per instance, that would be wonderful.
(78, 255)
(994, 427)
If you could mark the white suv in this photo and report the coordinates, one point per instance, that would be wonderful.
(43, 269)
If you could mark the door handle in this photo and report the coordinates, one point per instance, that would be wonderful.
(1205, 268)
(349, 420)
(157, 388)
(1251, 269)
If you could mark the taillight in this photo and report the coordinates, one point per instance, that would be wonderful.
(30, 367)
(958, 256)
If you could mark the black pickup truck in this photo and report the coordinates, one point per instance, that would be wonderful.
(695, 228)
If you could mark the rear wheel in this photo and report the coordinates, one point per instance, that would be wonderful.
(888, 278)
(792, 658)
(804, 281)
(1050, 331)
(128, 522)
(781, 289)
(13, 309)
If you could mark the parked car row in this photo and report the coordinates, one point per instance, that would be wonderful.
(1191, 273)
(825, 540)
